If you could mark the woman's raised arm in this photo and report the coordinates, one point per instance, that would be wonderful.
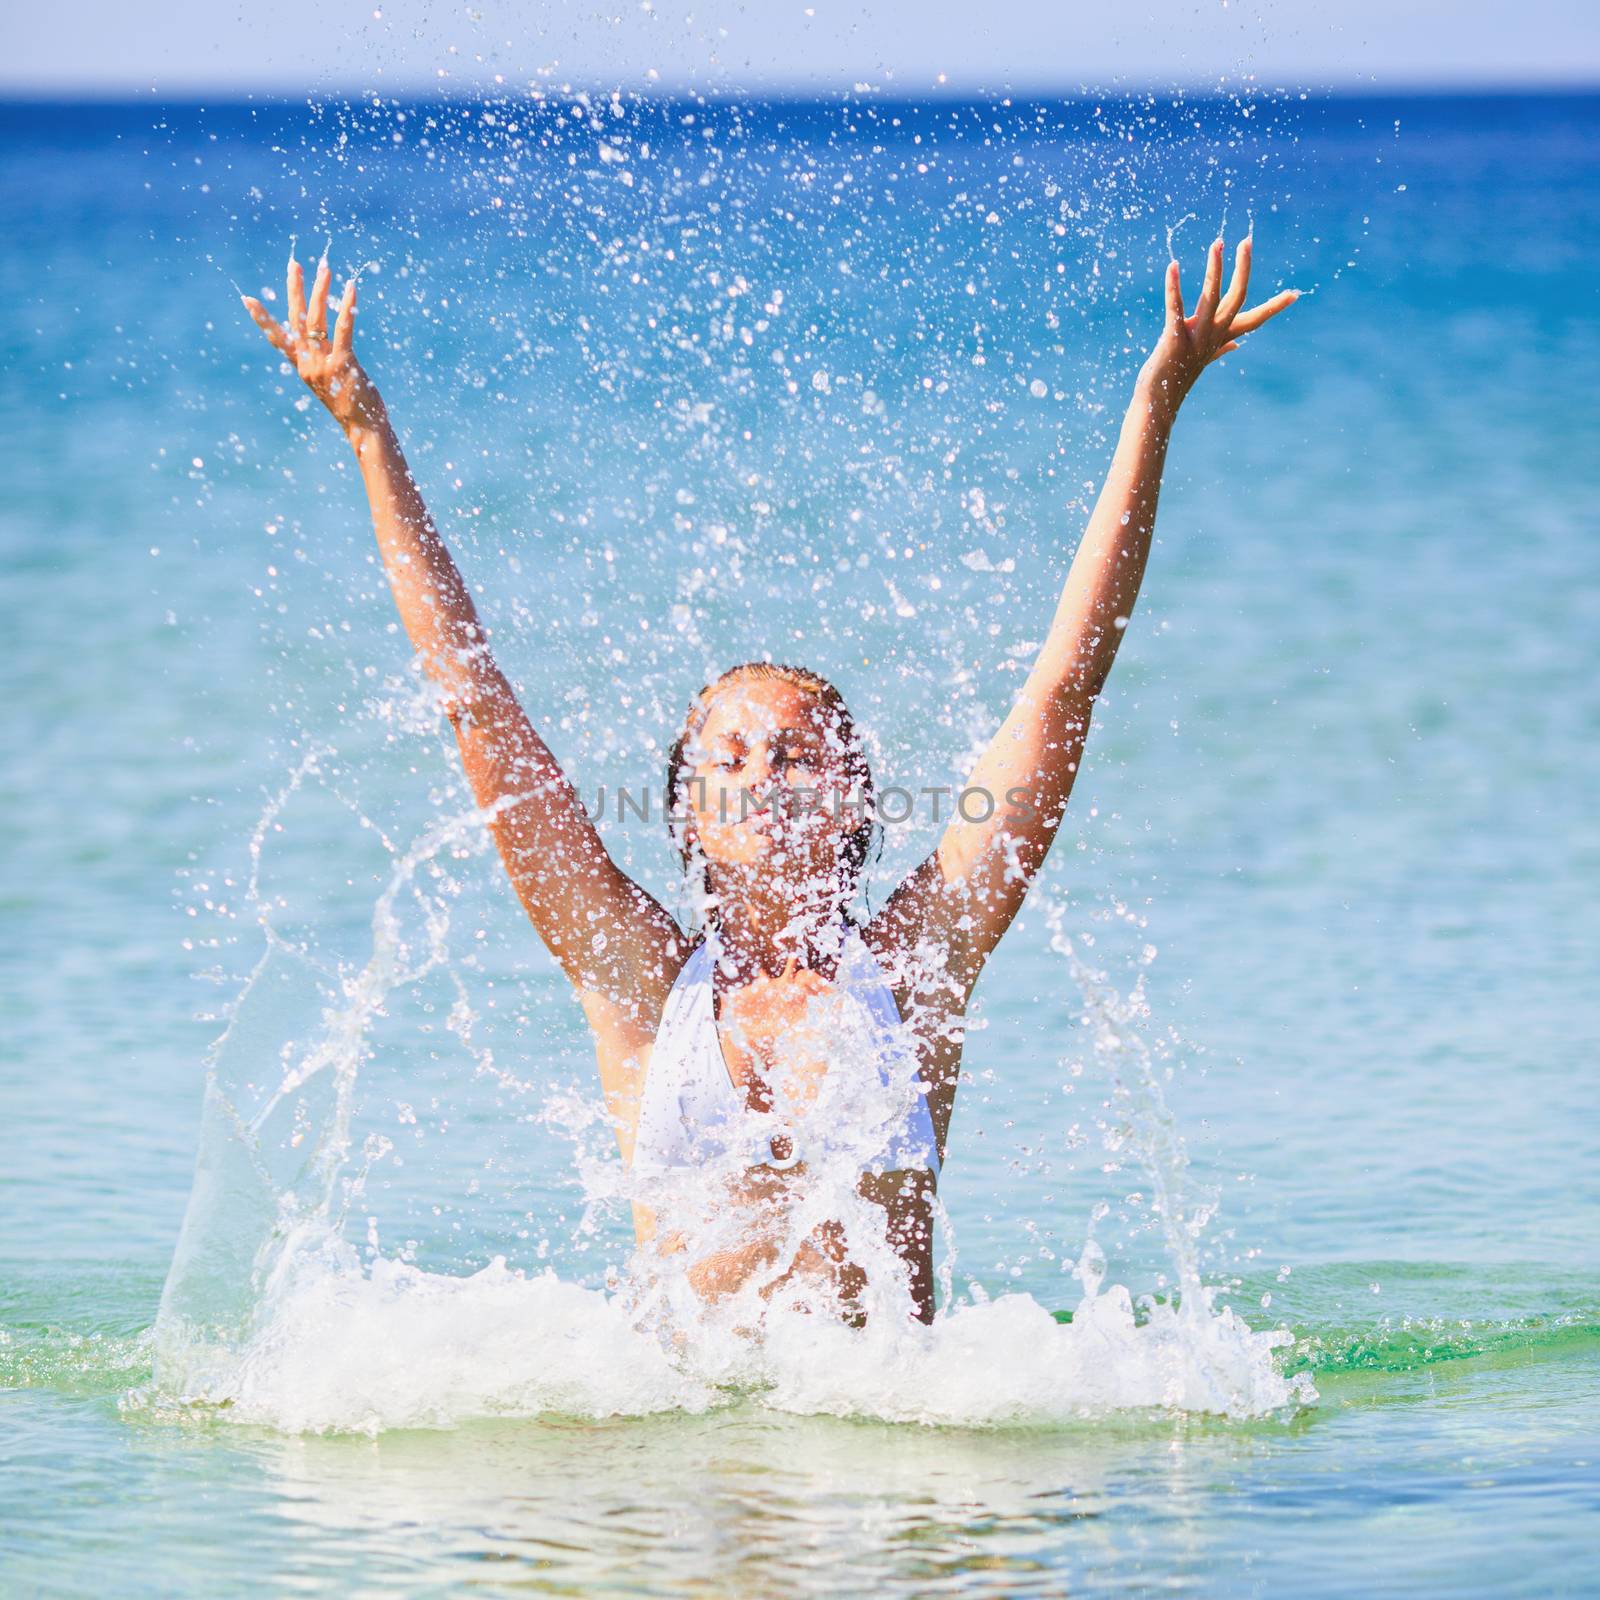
(974, 883)
(613, 940)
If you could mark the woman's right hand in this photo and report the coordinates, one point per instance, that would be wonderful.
(328, 367)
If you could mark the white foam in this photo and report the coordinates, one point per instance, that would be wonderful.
(1009, 1362)
(343, 1347)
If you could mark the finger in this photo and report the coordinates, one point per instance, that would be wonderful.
(264, 321)
(296, 289)
(1239, 285)
(1174, 296)
(317, 316)
(1249, 321)
(1228, 348)
(1206, 306)
(344, 325)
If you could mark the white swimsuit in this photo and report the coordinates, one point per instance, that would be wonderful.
(691, 1112)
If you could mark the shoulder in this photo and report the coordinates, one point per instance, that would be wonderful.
(920, 955)
(920, 933)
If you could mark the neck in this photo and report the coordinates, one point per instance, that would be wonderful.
(760, 935)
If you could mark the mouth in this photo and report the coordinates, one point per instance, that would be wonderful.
(763, 812)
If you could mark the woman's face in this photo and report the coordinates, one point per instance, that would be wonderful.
(768, 785)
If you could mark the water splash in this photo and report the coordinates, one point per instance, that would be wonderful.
(276, 1164)
(658, 208)
(1118, 1028)
(271, 1315)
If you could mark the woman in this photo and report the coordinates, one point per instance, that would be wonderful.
(725, 1054)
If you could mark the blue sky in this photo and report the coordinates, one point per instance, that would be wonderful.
(182, 45)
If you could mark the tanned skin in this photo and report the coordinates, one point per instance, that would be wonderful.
(775, 879)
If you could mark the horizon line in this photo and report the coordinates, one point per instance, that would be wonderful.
(793, 92)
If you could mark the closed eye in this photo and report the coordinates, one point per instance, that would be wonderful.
(808, 760)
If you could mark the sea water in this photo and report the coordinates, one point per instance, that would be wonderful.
(1298, 1021)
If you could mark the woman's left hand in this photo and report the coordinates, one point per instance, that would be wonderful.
(1188, 345)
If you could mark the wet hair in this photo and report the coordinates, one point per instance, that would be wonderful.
(858, 774)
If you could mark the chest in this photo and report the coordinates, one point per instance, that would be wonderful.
(727, 1077)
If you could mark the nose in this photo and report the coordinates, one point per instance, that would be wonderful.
(757, 769)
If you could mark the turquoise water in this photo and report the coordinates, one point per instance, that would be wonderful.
(1343, 786)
